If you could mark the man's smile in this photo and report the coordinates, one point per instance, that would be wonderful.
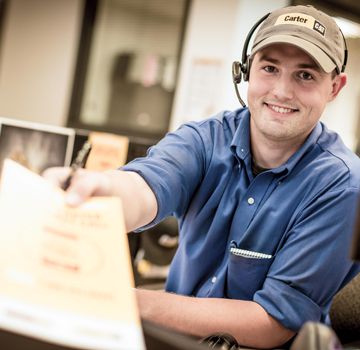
(281, 109)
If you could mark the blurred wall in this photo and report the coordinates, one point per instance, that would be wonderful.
(37, 61)
(343, 114)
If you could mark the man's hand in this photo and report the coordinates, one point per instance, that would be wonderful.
(139, 202)
(84, 183)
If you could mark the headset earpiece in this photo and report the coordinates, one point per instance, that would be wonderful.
(245, 68)
(237, 75)
(240, 71)
(236, 72)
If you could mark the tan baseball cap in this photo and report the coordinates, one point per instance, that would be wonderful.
(307, 28)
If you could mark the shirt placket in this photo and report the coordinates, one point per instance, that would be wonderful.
(249, 204)
(247, 208)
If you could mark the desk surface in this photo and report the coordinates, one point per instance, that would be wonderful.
(156, 338)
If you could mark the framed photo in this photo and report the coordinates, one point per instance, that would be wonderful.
(34, 145)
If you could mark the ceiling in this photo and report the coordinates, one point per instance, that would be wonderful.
(345, 8)
(171, 9)
(350, 5)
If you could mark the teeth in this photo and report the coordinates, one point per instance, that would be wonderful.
(280, 109)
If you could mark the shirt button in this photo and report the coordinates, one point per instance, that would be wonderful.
(251, 200)
(213, 280)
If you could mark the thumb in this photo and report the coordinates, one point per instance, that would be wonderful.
(73, 198)
(84, 184)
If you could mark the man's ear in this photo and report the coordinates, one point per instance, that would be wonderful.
(338, 82)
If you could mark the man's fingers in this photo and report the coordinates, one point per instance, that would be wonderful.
(83, 185)
(86, 184)
(56, 175)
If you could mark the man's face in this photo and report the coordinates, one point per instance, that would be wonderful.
(287, 94)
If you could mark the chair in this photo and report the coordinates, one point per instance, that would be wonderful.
(156, 249)
(345, 313)
(316, 336)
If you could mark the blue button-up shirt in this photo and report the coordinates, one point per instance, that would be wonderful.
(281, 238)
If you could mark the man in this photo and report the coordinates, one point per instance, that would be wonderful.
(265, 195)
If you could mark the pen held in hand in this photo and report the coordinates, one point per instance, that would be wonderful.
(78, 163)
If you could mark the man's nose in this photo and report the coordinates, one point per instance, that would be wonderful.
(283, 88)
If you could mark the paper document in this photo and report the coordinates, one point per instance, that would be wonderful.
(108, 151)
(65, 273)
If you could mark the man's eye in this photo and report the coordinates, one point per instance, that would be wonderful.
(305, 76)
(269, 69)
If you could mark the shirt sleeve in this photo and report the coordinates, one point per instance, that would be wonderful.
(313, 263)
(173, 169)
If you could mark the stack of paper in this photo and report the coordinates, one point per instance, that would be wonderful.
(65, 273)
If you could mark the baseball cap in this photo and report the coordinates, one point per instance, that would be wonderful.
(311, 30)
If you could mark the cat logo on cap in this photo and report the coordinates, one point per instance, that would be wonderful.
(319, 27)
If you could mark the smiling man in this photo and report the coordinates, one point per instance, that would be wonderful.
(265, 196)
(287, 94)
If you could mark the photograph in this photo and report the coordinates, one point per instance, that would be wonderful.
(34, 145)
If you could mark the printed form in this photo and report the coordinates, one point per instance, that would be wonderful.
(65, 273)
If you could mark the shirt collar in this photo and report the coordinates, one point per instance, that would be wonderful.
(306, 147)
(240, 144)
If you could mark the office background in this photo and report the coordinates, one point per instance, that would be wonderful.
(141, 67)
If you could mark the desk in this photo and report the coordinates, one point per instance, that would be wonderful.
(156, 338)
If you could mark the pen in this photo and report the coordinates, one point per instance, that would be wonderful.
(78, 163)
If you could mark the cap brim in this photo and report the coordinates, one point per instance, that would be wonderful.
(321, 58)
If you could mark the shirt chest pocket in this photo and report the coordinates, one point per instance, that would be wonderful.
(246, 273)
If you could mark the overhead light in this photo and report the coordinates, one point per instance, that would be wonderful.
(349, 28)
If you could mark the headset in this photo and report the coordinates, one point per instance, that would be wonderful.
(241, 70)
